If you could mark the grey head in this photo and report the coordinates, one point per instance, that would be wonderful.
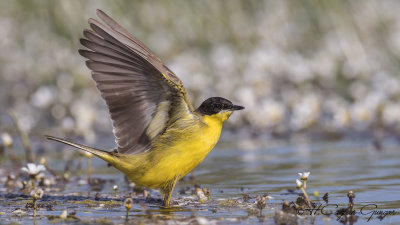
(215, 105)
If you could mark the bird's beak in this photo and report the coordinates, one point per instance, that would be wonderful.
(237, 107)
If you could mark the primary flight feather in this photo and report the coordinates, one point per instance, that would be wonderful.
(159, 136)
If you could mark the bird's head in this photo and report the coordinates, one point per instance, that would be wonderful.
(218, 107)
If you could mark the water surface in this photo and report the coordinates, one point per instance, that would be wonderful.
(234, 169)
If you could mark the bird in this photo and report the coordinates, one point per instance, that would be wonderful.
(159, 135)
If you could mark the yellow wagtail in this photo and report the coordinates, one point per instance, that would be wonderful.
(160, 136)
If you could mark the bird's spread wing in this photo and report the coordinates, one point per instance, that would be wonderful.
(143, 96)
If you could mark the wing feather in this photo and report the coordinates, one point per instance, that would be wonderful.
(143, 96)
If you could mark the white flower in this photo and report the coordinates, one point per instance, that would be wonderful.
(33, 169)
(299, 183)
(6, 139)
(304, 175)
(47, 182)
(37, 193)
(43, 97)
(115, 188)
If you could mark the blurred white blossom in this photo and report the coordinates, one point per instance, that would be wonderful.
(37, 193)
(43, 97)
(305, 112)
(6, 139)
(391, 113)
(34, 170)
(272, 113)
(304, 175)
(361, 115)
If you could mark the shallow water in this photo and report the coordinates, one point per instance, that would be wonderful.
(232, 170)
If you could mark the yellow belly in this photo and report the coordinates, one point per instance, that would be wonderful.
(175, 154)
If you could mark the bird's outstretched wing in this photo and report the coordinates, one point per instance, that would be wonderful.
(143, 96)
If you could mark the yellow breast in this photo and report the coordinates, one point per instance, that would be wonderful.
(178, 151)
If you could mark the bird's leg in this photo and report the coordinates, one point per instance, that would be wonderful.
(167, 191)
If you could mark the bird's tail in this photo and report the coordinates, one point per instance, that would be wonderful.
(106, 156)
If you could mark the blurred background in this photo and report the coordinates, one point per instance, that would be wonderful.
(325, 69)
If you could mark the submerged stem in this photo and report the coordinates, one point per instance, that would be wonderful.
(88, 169)
(24, 137)
(33, 182)
(307, 200)
(34, 207)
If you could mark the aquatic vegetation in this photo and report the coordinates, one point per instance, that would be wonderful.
(326, 197)
(304, 176)
(64, 215)
(128, 205)
(201, 195)
(347, 215)
(115, 188)
(146, 208)
(301, 185)
(34, 171)
(261, 202)
(287, 215)
(144, 205)
(36, 194)
(24, 136)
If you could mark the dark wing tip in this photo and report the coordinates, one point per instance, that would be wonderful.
(92, 21)
(87, 32)
(91, 64)
(84, 42)
(83, 52)
(100, 12)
